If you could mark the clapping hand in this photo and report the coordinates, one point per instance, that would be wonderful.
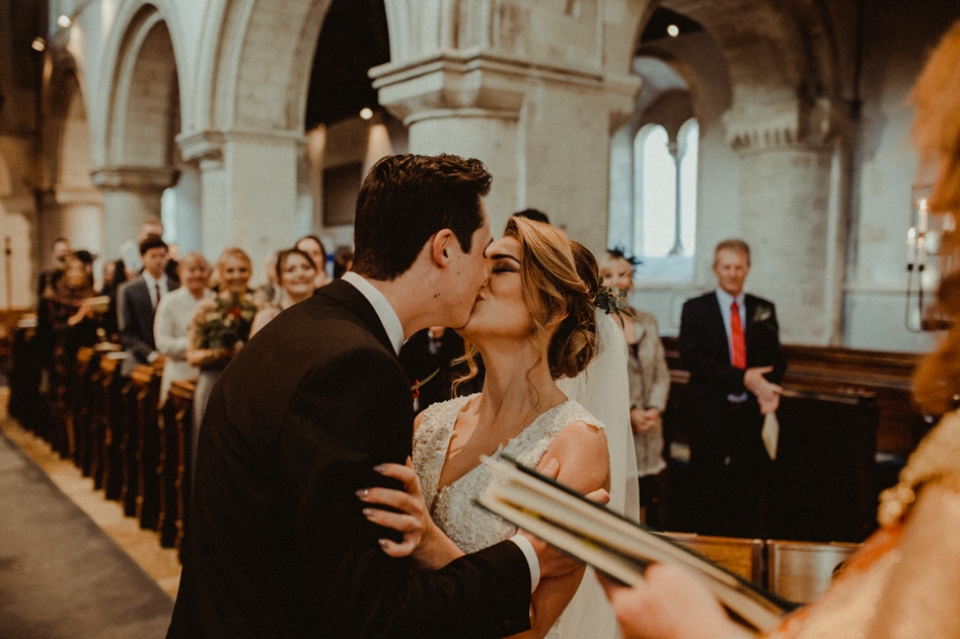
(422, 539)
(768, 393)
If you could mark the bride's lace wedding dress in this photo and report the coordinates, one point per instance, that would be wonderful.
(452, 507)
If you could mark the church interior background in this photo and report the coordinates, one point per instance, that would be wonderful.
(659, 128)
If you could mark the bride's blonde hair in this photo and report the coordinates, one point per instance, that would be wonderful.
(559, 280)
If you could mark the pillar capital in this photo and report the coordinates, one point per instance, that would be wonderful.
(757, 127)
(62, 195)
(477, 83)
(201, 146)
(135, 178)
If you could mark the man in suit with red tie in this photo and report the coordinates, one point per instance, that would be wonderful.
(730, 344)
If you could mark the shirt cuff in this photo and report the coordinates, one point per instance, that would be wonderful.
(152, 357)
(531, 556)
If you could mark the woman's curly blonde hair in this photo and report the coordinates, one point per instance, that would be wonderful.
(559, 280)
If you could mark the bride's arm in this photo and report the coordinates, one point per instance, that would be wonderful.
(581, 450)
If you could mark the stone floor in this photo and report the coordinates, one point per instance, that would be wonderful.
(142, 546)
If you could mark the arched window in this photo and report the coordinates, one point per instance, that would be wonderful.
(654, 191)
(665, 191)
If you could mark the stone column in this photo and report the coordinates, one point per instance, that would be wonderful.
(786, 190)
(130, 195)
(249, 189)
(544, 132)
(73, 212)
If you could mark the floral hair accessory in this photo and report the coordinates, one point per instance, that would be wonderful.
(611, 300)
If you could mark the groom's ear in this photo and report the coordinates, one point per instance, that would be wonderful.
(440, 246)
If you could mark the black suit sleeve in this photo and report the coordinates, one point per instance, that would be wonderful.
(351, 413)
(708, 362)
(765, 340)
(130, 329)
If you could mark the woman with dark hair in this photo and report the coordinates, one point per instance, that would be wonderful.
(296, 274)
(313, 246)
(533, 322)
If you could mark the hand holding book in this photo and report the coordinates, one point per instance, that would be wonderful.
(612, 544)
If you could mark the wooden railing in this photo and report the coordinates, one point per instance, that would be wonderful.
(114, 430)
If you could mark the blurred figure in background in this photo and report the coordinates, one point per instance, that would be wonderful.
(342, 261)
(312, 246)
(170, 327)
(905, 581)
(649, 387)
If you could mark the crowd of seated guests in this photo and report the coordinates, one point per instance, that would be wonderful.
(181, 316)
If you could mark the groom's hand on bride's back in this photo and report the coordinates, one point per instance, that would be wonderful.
(553, 562)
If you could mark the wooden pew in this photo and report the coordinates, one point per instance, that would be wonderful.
(742, 557)
(177, 428)
(145, 380)
(800, 571)
(111, 424)
(885, 375)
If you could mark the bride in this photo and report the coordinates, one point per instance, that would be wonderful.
(533, 323)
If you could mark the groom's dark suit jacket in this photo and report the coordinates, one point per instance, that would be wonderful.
(277, 544)
(705, 352)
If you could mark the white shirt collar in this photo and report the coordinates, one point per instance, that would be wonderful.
(151, 281)
(726, 299)
(388, 317)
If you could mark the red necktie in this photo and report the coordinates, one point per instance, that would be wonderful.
(739, 356)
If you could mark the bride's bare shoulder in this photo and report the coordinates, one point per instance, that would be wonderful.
(581, 449)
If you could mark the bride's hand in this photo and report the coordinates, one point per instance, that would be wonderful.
(422, 539)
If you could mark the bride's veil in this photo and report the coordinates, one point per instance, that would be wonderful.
(603, 390)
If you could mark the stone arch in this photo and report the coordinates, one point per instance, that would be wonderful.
(139, 157)
(144, 107)
(783, 62)
(256, 77)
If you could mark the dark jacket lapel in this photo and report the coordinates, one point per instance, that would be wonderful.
(346, 294)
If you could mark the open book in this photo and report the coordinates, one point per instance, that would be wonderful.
(610, 543)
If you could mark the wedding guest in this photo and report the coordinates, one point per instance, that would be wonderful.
(219, 327)
(297, 275)
(313, 246)
(137, 303)
(60, 251)
(434, 357)
(174, 312)
(905, 581)
(113, 276)
(649, 379)
(342, 261)
(268, 293)
(69, 323)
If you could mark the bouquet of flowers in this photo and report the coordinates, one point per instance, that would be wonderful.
(227, 323)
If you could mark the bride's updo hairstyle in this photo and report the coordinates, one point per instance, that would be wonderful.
(559, 278)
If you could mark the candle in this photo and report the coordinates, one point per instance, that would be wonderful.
(921, 252)
(922, 221)
(911, 247)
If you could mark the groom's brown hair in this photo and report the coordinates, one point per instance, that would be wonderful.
(405, 200)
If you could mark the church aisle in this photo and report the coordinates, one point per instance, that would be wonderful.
(61, 575)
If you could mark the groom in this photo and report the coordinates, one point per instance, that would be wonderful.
(278, 545)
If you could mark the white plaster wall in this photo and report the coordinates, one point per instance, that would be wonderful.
(895, 47)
